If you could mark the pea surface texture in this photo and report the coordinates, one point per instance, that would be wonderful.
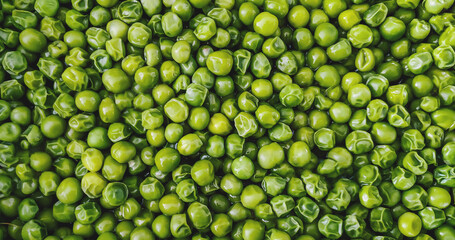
(227, 119)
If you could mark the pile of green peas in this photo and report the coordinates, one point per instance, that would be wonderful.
(227, 119)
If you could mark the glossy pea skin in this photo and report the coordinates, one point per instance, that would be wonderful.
(53, 126)
(265, 23)
(438, 197)
(69, 191)
(409, 224)
(32, 40)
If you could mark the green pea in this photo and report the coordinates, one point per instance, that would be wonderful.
(69, 191)
(331, 226)
(265, 24)
(202, 172)
(360, 36)
(409, 224)
(46, 8)
(325, 34)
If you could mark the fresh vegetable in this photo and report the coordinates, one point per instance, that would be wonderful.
(227, 119)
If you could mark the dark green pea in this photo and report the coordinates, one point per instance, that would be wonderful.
(369, 175)
(403, 179)
(114, 195)
(302, 39)
(224, 86)
(219, 203)
(179, 226)
(390, 194)
(27, 209)
(432, 217)
(392, 29)
(34, 229)
(199, 215)
(331, 226)
(416, 198)
(316, 58)
(338, 199)
(23, 19)
(9, 206)
(15, 62)
(87, 213)
(46, 8)
(381, 219)
(9, 37)
(273, 185)
(247, 13)
(442, 175)
(383, 156)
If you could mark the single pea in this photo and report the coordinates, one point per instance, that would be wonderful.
(438, 197)
(409, 224)
(265, 24)
(53, 126)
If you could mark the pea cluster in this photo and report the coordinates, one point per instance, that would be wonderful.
(227, 119)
